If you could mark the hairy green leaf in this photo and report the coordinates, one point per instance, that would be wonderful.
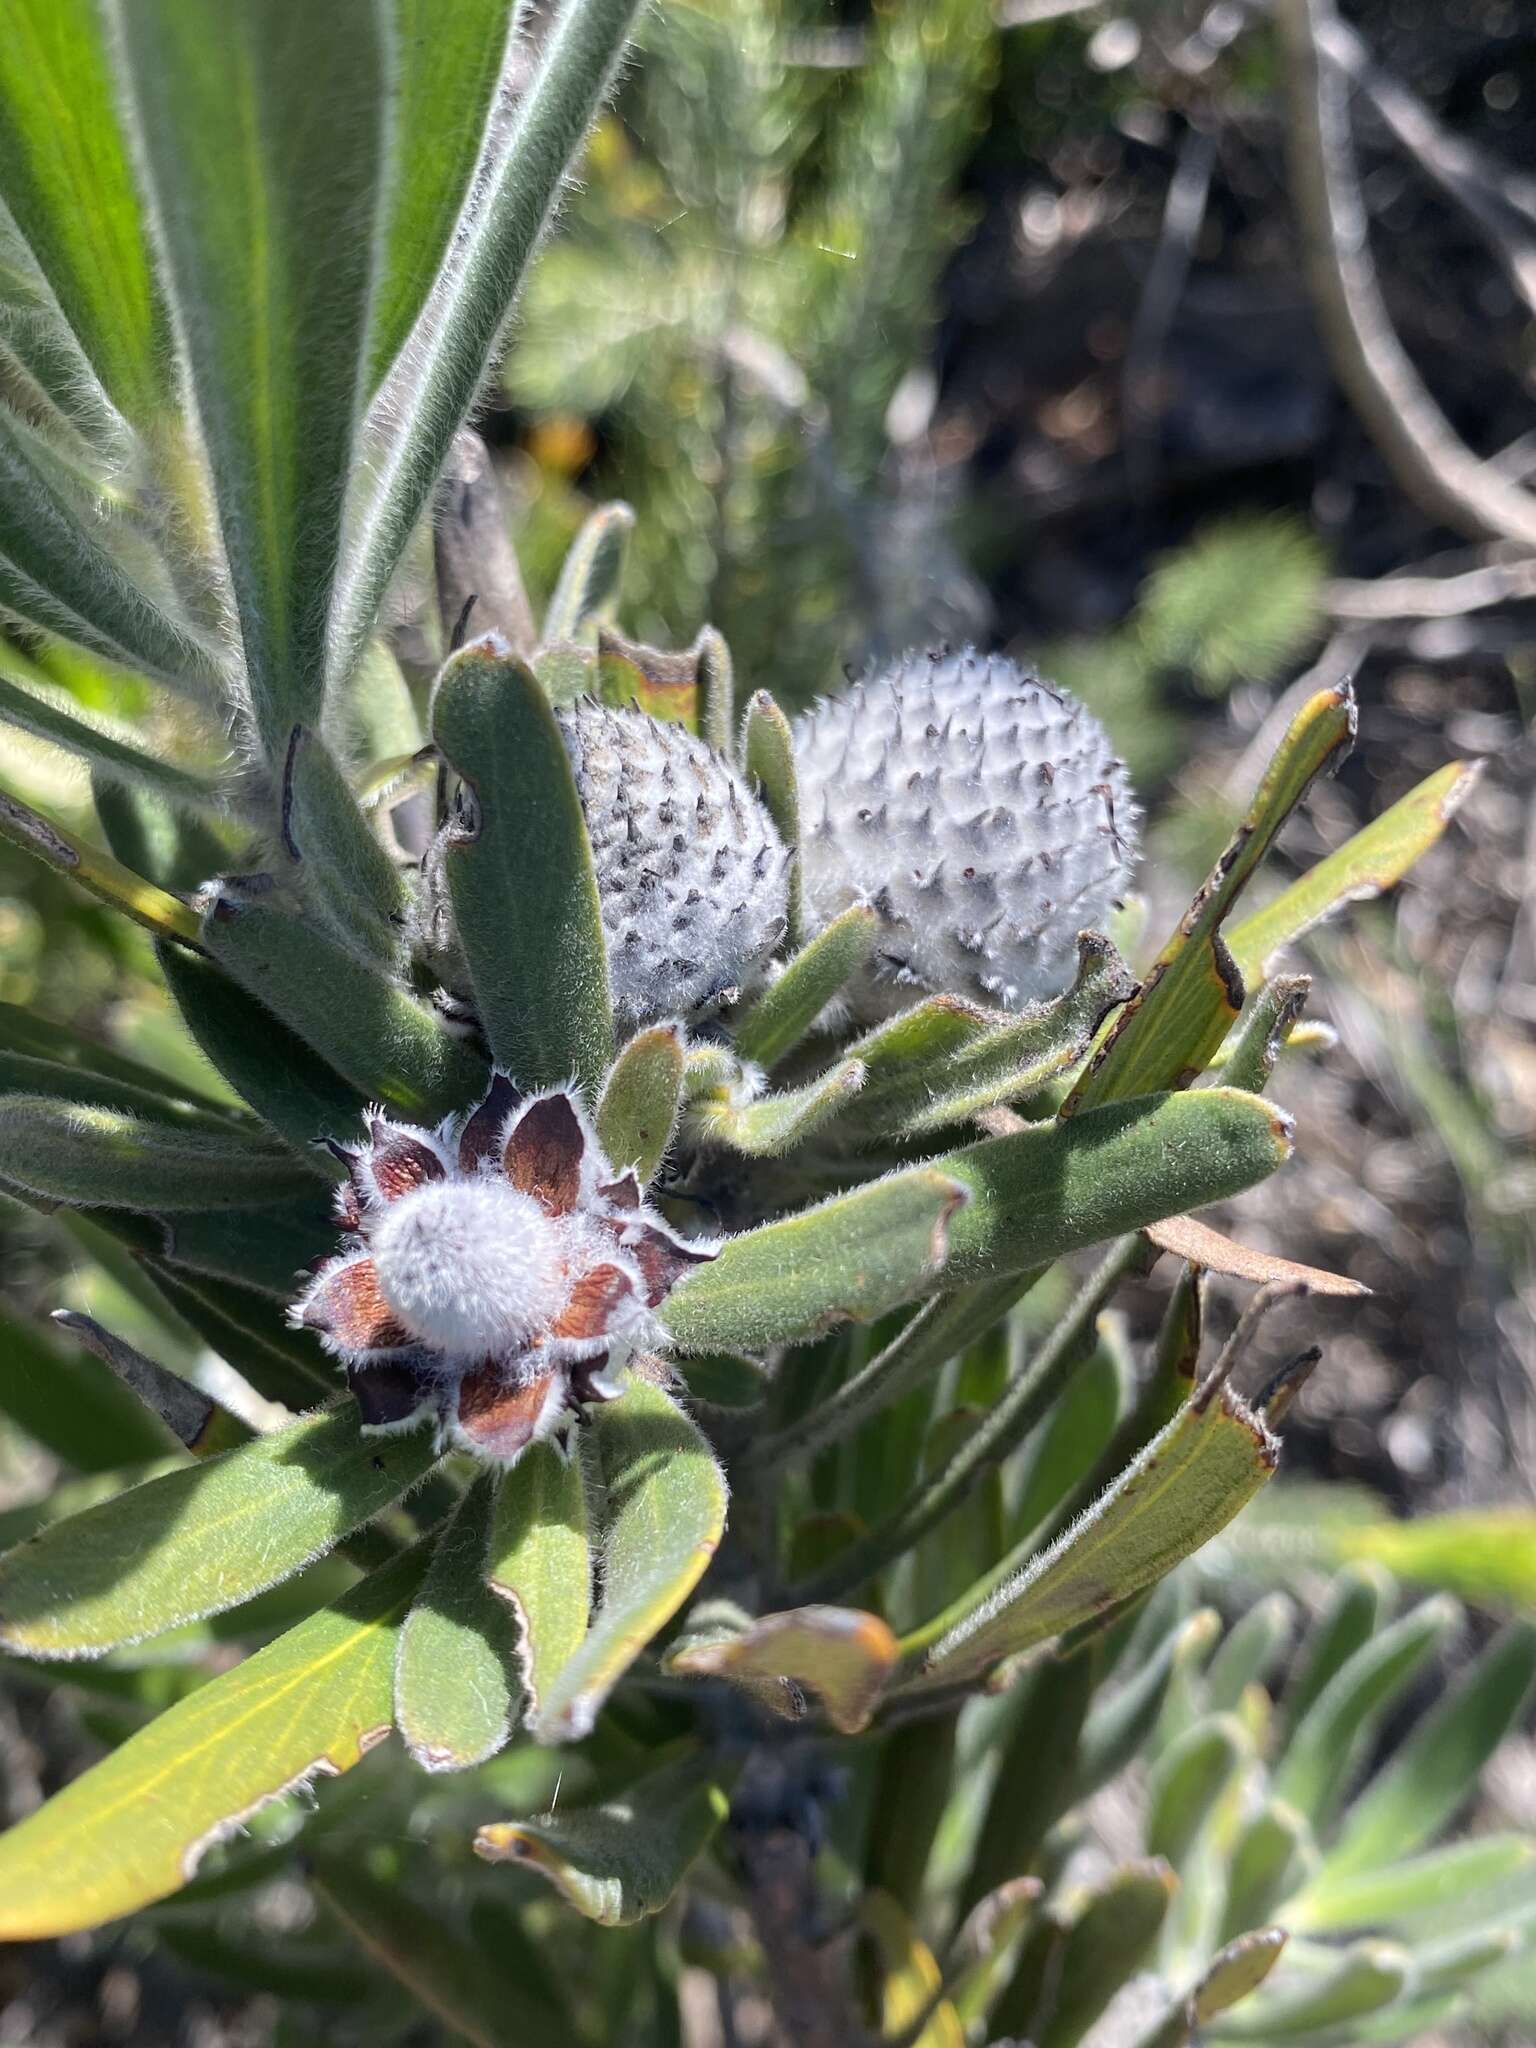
(540, 1562)
(638, 1110)
(341, 859)
(1414, 1888)
(247, 1330)
(261, 133)
(621, 1861)
(768, 755)
(46, 718)
(780, 1017)
(454, 1683)
(71, 1403)
(202, 1539)
(663, 1512)
(70, 1152)
(1112, 1927)
(134, 1828)
(520, 871)
(841, 1654)
(773, 1124)
(96, 872)
(587, 594)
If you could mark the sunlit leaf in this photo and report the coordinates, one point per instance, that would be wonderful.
(841, 1654)
(638, 1108)
(540, 1562)
(455, 1686)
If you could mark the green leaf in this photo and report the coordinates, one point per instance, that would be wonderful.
(448, 1976)
(785, 1011)
(447, 64)
(1416, 1887)
(768, 755)
(638, 1109)
(266, 1249)
(342, 862)
(1239, 1969)
(66, 180)
(70, 1152)
(1169, 1032)
(1249, 1055)
(25, 1074)
(1237, 603)
(48, 719)
(520, 872)
(1052, 1188)
(1436, 1769)
(58, 571)
(587, 594)
(40, 1037)
(717, 690)
(356, 1018)
(436, 382)
(289, 1087)
(621, 1861)
(841, 1654)
(1360, 1600)
(663, 1513)
(454, 1683)
(1186, 1782)
(774, 1124)
(1326, 1743)
(134, 1828)
(856, 1255)
(540, 1562)
(1064, 1449)
(71, 1404)
(1113, 1926)
(1186, 1485)
(1121, 1722)
(912, 2006)
(479, 581)
(261, 136)
(1003, 1061)
(1367, 1977)
(200, 1540)
(155, 836)
(96, 872)
(1272, 1854)
(1486, 1555)
(1372, 861)
(1036, 1770)
(1253, 1647)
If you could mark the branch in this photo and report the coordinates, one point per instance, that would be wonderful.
(1430, 460)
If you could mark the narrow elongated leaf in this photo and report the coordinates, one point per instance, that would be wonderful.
(1359, 1601)
(717, 690)
(856, 1255)
(621, 1861)
(447, 64)
(1372, 861)
(1120, 1723)
(203, 1539)
(1413, 1888)
(640, 1101)
(71, 1404)
(449, 1977)
(540, 1562)
(261, 131)
(66, 180)
(782, 1015)
(1107, 1942)
(58, 570)
(1253, 1647)
(24, 1074)
(96, 872)
(775, 1124)
(1326, 1742)
(1435, 1771)
(437, 379)
(1187, 1484)
(664, 1510)
(842, 1655)
(186, 1412)
(520, 871)
(134, 1828)
(1214, 1252)
(1365, 1979)
(1272, 1855)
(247, 1331)
(1054, 1187)
(48, 1038)
(70, 1152)
(157, 837)
(1186, 1782)
(1194, 992)
(912, 2009)
(268, 1249)
(342, 862)
(353, 1015)
(479, 582)
(1036, 1772)
(768, 755)
(1239, 1969)
(289, 1086)
(455, 1686)
(47, 719)
(587, 593)
(1486, 1555)
(48, 378)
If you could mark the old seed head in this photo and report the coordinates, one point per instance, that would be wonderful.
(980, 810)
(691, 875)
(495, 1275)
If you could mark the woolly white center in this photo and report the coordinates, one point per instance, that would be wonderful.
(469, 1266)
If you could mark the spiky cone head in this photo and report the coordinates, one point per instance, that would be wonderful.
(691, 875)
(980, 810)
(495, 1274)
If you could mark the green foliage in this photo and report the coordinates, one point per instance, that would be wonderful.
(814, 1337)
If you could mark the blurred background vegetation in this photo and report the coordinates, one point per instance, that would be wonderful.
(935, 320)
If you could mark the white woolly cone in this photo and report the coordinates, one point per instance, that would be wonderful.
(980, 810)
(691, 875)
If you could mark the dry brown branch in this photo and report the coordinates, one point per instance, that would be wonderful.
(1428, 457)
(1432, 597)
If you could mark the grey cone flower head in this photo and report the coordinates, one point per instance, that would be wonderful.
(691, 875)
(496, 1273)
(979, 809)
